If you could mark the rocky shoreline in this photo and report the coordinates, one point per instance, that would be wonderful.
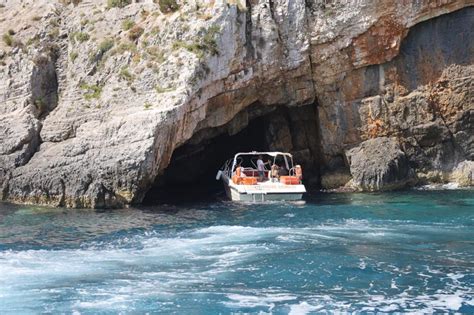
(101, 99)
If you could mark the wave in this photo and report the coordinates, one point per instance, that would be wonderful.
(446, 186)
(404, 302)
(111, 275)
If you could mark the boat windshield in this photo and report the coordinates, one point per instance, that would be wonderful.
(249, 160)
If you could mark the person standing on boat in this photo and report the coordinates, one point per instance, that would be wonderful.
(261, 167)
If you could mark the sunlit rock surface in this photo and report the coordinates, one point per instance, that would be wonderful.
(379, 164)
(95, 100)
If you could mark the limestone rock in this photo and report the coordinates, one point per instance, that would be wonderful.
(379, 164)
(91, 111)
(335, 180)
(463, 174)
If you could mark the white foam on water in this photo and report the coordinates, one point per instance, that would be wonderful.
(148, 265)
(455, 276)
(205, 243)
(123, 269)
(116, 302)
(393, 284)
(433, 271)
(450, 186)
(420, 303)
(389, 308)
(448, 301)
(318, 304)
(428, 187)
(304, 308)
(447, 186)
(271, 233)
(257, 300)
(233, 229)
(376, 234)
(357, 228)
(122, 265)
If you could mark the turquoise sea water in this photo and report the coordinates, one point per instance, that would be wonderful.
(405, 251)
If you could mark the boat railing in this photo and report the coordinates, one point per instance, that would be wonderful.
(292, 172)
(226, 168)
(251, 172)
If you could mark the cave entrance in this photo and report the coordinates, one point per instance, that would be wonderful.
(190, 176)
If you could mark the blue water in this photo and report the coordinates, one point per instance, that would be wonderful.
(405, 251)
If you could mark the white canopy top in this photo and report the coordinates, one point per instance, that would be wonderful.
(263, 153)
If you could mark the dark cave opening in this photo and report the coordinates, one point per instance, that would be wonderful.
(190, 176)
(44, 83)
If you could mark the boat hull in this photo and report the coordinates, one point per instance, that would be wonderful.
(251, 193)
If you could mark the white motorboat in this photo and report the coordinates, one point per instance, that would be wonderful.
(281, 179)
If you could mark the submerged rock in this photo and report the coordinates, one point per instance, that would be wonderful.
(379, 164)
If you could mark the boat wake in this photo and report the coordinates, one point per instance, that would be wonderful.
(349, 253)
(211, 261)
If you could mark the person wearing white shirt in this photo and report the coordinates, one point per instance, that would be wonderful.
(261, 168)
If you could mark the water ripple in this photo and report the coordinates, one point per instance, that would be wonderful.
(362, 253)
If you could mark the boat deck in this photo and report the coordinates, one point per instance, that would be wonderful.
(270, 184)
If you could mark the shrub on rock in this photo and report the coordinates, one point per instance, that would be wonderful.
(118, 3)
(167, 6)
(135, 33)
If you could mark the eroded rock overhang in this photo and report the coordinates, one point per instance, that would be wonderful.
(193, 166)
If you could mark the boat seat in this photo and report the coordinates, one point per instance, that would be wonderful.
(253, 173)
(290, 180)
(244, 180)
(249, 181)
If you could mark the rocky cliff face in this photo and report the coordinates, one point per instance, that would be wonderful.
(97, 97)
